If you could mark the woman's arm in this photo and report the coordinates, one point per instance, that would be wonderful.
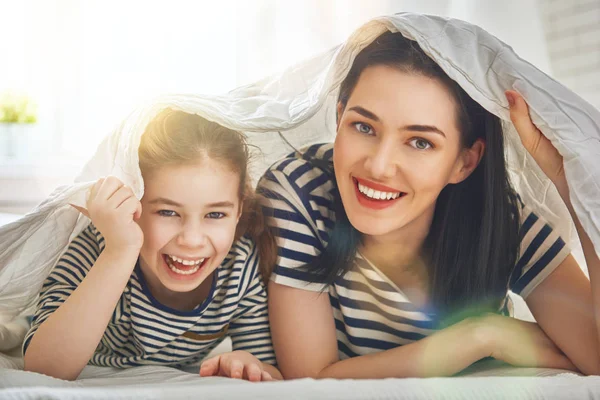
(304, 338)
(566, 304)
(66, 340)
(564, 307)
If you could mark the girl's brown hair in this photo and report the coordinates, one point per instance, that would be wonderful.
(176, 137)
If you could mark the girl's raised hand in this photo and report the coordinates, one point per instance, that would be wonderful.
(114, 209)
(539, 146)
(236, 364)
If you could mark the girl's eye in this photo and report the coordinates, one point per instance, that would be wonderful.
(215, 215)
(363, 128)
(167, 213)
(421, 144)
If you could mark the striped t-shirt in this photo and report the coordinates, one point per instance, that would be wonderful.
(142, 331)
(371, 313)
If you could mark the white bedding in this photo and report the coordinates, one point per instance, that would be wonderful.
(167, 383)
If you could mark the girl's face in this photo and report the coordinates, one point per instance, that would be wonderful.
(397, 146)
(189, 217)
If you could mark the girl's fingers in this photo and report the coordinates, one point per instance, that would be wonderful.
(236, 369)
(266, 377)
(131, 206)
(118, 197)
(108, 188)
(138, 211)
(253, 373)
(93, 190)
(210, 367)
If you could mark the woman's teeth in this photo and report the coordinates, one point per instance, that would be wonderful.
(195, 264)
(376, 194)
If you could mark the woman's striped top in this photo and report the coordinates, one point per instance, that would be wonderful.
(371, 312)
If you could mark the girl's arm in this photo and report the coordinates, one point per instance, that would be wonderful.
(566, 304)
(304, 338)
(67, 338)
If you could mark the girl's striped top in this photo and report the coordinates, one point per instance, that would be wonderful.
(142, 331)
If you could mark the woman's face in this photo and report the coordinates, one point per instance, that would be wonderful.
(397, 146)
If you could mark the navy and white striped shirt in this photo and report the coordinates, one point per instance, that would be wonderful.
(371, 313)
(142, 331)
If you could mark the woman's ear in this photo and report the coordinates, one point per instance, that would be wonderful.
(467, 162)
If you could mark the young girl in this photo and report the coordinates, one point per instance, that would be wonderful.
(409, 223)
(163, 281)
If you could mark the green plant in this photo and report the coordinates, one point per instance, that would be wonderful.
(17, 109)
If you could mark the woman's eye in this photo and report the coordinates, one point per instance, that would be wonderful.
(421, 144)
(363, 128)
(167, 213)
(215, 215)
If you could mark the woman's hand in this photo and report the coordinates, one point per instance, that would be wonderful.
(521, 343)
(236, 364)
(539, 146)
(114, 209)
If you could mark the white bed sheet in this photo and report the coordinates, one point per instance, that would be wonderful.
(490, 380)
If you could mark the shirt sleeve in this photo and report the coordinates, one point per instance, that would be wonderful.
(542, 250)
(69, 272)
(297, 203)
(249, 327)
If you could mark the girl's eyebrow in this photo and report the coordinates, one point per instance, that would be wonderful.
(415, 127)
(221, 204)
(164, 200)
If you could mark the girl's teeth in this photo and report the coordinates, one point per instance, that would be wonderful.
(186, 262)
(177, 270)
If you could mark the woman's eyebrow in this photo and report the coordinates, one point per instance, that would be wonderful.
(423, 128)
(364, 112)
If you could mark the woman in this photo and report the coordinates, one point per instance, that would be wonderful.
(410, 225)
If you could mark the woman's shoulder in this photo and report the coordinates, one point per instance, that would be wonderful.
(315, 157)
(307, 172)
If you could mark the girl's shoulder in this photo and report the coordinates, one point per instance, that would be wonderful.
(242, 249)
(241, 265)
(243, 256)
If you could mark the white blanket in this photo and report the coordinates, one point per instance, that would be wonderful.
(300, 102)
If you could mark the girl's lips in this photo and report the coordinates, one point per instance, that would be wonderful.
(375, 186)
